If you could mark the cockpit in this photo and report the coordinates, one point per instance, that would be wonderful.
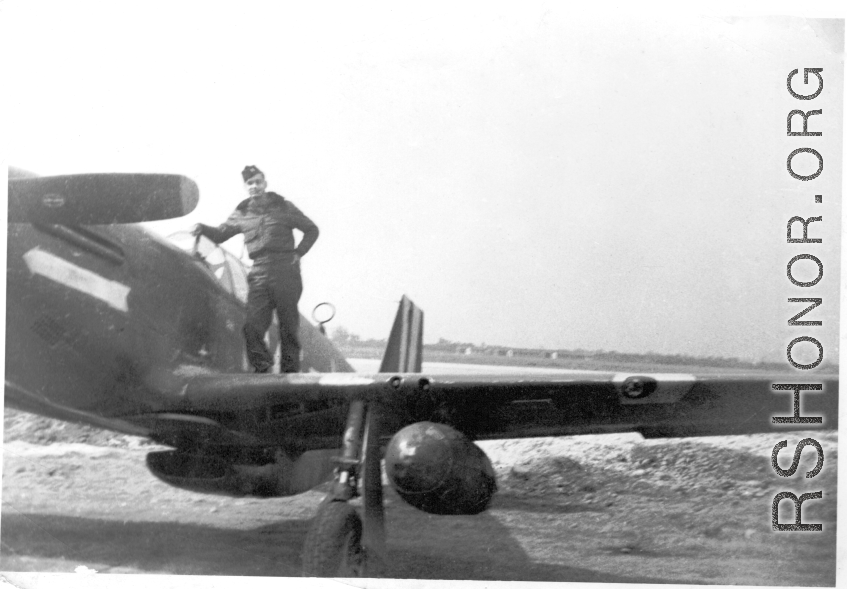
(226, 268)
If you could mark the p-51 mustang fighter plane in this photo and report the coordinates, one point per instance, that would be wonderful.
(110, 325)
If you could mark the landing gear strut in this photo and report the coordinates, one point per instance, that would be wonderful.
(339, 542)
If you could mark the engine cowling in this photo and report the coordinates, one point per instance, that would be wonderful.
(437, 469)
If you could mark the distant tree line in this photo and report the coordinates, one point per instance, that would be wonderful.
(344, 338)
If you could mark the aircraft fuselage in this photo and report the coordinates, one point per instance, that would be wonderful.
(102, 320)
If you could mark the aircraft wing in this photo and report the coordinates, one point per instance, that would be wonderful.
(311, 407)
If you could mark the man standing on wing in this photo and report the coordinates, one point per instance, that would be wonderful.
(267, 219)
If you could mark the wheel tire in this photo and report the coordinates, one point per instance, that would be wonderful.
(333, 546)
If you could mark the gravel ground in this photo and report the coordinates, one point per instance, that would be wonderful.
(613, 508)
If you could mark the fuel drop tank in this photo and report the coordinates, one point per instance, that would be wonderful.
(437, 469)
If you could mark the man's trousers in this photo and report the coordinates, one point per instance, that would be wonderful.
(273, 287)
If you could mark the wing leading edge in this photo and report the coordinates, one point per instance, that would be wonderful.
(311, 407)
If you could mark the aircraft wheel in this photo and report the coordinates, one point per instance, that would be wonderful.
(333, 546)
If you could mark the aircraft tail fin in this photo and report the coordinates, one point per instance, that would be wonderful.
(404, 352)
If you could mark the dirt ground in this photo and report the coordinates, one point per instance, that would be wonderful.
(611, 508)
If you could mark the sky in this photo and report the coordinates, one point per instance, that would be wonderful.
(528, 176)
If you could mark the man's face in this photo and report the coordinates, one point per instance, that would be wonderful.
(256, 185)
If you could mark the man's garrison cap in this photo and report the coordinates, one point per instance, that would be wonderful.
(250, 171)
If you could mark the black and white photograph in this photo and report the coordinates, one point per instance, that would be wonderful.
(369, 294)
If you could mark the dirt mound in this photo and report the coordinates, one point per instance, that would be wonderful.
(600, 469)
(35, 429)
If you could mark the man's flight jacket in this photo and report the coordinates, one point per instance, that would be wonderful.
(267, 227)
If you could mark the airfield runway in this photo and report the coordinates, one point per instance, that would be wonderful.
(612, 508)
(367, 365)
